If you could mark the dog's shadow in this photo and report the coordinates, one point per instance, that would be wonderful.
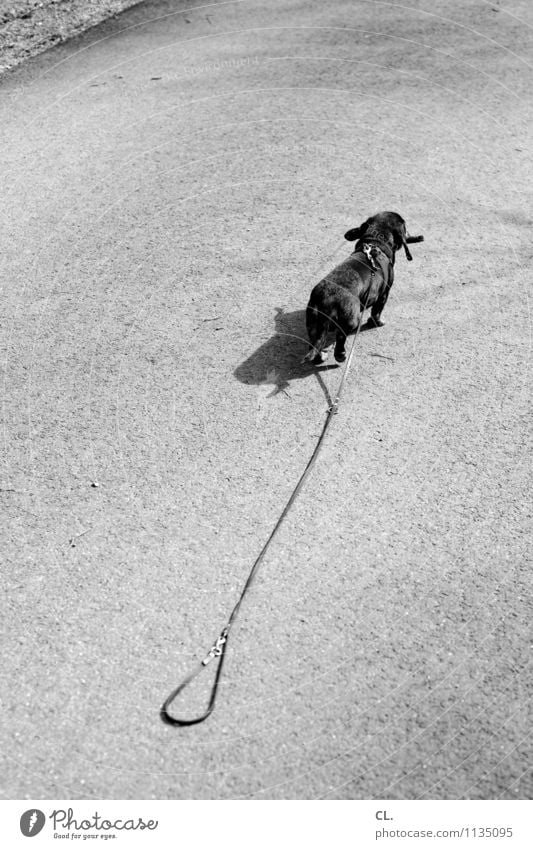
(279, 361)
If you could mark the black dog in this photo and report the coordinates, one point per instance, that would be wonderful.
(363, 280)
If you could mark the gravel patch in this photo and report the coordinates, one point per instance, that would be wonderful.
(28, 27)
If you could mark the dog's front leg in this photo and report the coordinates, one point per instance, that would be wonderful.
(377, 308)
(375, 315)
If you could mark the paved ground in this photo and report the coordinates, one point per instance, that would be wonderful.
(174, 184)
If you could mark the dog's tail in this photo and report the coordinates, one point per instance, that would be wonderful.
(317, 329)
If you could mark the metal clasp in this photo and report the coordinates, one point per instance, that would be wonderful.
(217, 649)
(368, 251)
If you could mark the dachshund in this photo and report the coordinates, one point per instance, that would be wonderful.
(363, 280)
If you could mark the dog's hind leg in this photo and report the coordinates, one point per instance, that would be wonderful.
(317, 330)
(340, 346)
(345, 329)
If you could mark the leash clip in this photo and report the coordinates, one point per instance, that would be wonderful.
(368, 251)
(217, 649)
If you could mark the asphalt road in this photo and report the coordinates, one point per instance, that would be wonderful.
(174, 184)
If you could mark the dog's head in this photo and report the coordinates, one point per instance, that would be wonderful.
(386, 228)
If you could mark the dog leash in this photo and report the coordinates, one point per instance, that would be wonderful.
(218, 649)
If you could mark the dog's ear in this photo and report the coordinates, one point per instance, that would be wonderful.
(353, 234)
(399, 234)
(357, 232)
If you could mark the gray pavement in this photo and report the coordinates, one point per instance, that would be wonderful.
(174, 183)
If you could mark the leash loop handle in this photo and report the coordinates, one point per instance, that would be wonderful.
(217, 651)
